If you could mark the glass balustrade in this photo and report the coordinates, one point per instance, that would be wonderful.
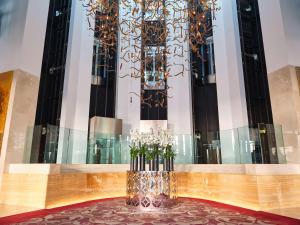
(236, 146)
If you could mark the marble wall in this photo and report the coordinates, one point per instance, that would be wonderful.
(257, 187)
(5, 86)
(20, 118)
(54, 190)
(284, 87)
(298, 76)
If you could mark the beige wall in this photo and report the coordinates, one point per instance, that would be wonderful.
(298, 76)
(258, 187)
(285, 99)
(20, 116)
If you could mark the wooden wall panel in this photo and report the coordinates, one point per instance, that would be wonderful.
(258, 192)
(66, 189)
(24, 190)
(234, 189)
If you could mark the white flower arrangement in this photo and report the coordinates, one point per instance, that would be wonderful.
(153, 146)
(158, 137)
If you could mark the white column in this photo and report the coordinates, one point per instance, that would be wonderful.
(12, 25)
(22, 34)
(291, 17)
(230, 83)
(180, 101)
(128, 107)
(281, 33)
(33, 41)
(77, 86)
(275, 45)
(180, 95)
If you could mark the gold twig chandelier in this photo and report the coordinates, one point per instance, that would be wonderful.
(154, 37)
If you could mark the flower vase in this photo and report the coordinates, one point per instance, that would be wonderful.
(151, 163)
(135, 164)
(142, 162)
(156, 163)
(131, 163)
(171, 164)
(166, 166)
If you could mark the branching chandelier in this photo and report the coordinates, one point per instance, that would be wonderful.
(155, 38)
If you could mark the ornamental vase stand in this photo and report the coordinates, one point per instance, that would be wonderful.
(151, 190)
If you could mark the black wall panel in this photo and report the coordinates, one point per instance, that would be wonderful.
(52, 76)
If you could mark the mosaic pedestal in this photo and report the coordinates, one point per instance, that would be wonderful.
(151, 190)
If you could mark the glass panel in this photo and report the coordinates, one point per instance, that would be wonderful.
(230, 150)
(246, 140)
(51, 144)
(237, 146)
(280, 144)
(104, 149)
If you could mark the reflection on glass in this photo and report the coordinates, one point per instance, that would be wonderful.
(154, 68)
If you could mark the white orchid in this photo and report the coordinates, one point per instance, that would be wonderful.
(158, 137)
(135, 137)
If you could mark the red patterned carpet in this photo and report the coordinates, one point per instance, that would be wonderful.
(114, 211)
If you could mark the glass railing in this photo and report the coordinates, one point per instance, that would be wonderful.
(237, 146)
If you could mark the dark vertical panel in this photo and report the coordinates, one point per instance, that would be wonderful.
(104, 74)
(205, 109)
(52, 74)
(152, 112)
(157, 107)
(255, 72)
(204, 100)
(255, 76)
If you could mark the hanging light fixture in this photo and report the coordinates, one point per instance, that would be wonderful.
(167, 23)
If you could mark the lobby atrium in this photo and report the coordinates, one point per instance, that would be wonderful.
(150, 112)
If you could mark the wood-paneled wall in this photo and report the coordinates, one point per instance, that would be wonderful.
(258, 192)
